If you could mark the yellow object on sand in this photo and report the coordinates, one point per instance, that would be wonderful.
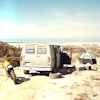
(5, 64)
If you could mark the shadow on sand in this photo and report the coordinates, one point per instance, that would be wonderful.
(42, 73)
(66, 70)
(20, 80)
(63, 71)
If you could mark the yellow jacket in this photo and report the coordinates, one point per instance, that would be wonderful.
(5, 64)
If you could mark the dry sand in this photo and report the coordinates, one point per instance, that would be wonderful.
(80, 85)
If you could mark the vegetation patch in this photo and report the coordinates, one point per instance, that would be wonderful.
(10, 52)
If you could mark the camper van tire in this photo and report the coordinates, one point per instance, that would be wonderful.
(26, 71)
(54, 70)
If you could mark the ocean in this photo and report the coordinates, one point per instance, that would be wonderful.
(49, 41)
(62, 40)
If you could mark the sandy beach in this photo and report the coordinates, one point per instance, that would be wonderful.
(80, 85)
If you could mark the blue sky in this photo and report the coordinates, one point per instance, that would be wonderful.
(77, 20)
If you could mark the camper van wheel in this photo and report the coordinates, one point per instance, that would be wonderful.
(54, 70)
(26, 71)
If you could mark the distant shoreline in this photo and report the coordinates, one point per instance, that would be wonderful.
(21, 44)
(58, 42)
(51, 40)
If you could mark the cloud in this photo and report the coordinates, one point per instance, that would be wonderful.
(69, 29)
(6, 29)
(27, 31)
(9, 30)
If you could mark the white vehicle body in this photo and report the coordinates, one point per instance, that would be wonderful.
(38, 57)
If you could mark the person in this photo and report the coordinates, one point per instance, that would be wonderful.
(9, 70)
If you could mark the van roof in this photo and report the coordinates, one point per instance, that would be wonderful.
(40, 44)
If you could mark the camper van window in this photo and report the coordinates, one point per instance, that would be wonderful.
(30, 49)
(41, 50)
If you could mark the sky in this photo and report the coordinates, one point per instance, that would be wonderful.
(76, 20)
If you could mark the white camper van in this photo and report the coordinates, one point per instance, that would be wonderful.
(40, 57)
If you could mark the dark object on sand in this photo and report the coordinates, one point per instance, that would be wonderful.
(11, 73)
(55, 75)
